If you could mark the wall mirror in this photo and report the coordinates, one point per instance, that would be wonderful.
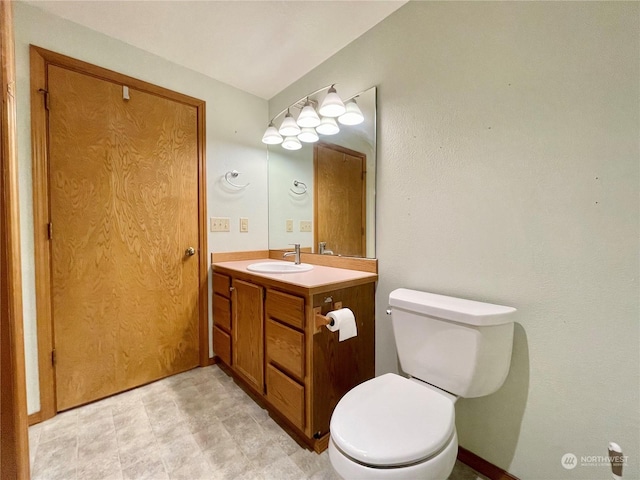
(322, 196)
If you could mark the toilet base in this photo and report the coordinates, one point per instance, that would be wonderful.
(435, 468)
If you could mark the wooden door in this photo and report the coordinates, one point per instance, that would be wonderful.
(123, 185)
(248, 336)
(339, 199)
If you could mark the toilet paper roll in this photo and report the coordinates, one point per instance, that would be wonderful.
(344, 321)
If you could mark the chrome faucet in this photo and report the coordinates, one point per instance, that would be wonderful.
(296, 252)
(322, 249)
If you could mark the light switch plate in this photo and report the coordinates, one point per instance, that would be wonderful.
(289, 227)
(220, 224)
(244, 224)
(305, 226)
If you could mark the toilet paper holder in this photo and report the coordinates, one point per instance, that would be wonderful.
(322, 320)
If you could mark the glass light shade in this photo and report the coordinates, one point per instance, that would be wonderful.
(291, 143)
(328, 126)
(308, 135)
(271, 136)
(332, 105)
(308, 116)
(353, 115)
(289, 127)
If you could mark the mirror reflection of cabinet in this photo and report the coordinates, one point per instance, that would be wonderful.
(286, 166)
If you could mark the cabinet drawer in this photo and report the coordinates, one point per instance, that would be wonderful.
(286, 395)
(222, 345)
(222, 312)
(285, 346)
(221, 284)
(286, 308)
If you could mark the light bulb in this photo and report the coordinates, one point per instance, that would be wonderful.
(289, 127)
(308, 135)
(291, 143)
(308, 116)
(352, 115)
(328, 126)
(332, 105)
(271, 135)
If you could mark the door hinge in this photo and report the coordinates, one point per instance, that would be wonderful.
(53, 357)
(45, 94)
(50, 230)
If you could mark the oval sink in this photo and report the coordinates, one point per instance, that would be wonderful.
(279, 267)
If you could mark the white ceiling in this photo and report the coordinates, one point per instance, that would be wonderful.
(260, 47)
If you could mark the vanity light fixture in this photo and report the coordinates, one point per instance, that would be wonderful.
(289, 127)
(328, 126)
(291, 143)
(308, 135)
(308, 116)
(271, 136)
(332, 105)
(312, 122)
(352, 115)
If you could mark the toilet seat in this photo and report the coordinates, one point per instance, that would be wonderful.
(391, 421)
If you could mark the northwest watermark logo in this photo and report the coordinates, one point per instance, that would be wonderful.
(569, 461)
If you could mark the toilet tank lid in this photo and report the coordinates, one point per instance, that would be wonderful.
(451, 308)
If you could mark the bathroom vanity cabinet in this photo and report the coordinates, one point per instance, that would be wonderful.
(267, 333)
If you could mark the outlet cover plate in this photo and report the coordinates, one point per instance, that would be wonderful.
(305, 226)
(220, 224)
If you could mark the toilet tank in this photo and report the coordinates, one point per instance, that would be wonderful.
(461, 346)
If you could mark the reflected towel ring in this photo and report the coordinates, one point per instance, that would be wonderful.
(234, 174)
(301, 185)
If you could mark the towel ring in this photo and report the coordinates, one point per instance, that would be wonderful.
(301, 185)
(234, 174)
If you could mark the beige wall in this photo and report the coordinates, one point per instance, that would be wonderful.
(508, 172)
(235, 123)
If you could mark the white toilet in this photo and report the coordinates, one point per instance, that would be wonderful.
(392, 427)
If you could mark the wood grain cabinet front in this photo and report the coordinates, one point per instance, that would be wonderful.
(285, 308)
(285, 348)
(286, 395)
(222, 317)
(298, 370)
(248, 332)
(285, 354)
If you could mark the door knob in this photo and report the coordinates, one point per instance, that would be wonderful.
(190, 252)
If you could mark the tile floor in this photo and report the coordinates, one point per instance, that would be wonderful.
(196, 425)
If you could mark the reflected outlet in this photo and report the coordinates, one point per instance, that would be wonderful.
(244, 224)
(305, 226)
(289, 227)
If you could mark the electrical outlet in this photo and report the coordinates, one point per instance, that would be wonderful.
(305, 226)
(244, 224)
(220, 224)
(289, 226)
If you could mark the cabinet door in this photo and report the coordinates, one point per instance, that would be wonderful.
(247, 325)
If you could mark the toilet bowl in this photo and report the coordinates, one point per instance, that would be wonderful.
(392, 427)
